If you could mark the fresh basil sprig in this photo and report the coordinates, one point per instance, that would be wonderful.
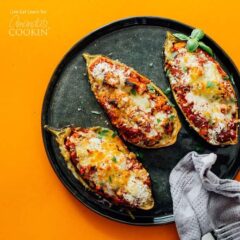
(181, 36)
(206, 48)
(193, 41)
(197, 34)
(192, 44)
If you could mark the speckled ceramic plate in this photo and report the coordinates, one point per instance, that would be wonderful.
(137, 42)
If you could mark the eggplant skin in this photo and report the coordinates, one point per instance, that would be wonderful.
(98, 158)
(139, 110)
(203, 92)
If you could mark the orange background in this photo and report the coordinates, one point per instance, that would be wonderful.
(33, 202)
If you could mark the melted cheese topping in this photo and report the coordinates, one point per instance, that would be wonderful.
(133, 102)
(210, 95)
(209, 109)
(118, 75)
(135, 187)
(100, 70)
(115, 172)
(142, 102)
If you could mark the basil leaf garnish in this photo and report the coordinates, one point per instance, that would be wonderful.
(192, 45)
(193, 41)
(181, 36)
(197, 34)
(206, 48)
(167, 90)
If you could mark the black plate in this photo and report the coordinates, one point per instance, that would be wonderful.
(137, 42)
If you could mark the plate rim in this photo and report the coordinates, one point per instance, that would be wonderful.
(87, 39)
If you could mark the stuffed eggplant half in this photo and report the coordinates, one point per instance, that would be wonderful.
(203, 92)
(136, 107)
(98, 158)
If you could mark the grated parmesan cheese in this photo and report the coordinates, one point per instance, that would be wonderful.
(137, 191)
(207, 108)
(100, 69)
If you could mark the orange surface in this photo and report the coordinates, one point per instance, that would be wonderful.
(33, 202)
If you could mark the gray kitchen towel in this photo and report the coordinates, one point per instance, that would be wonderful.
(202, 202)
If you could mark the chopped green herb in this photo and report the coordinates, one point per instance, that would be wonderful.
(103, 133)
(101, 184)
(171, 104)
(167, 72)
(233, 100)
(231, 78)
(210, 84)
(114, 134)
(184, 69)
(167, 90)
(96, 112)
(226, 77)
(110, 179)
(133, 91)
(171, 117)
(139, 154)
(114, 159)
(151, 88)
(158, 120)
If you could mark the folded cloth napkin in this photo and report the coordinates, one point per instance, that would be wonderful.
(202, 202)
